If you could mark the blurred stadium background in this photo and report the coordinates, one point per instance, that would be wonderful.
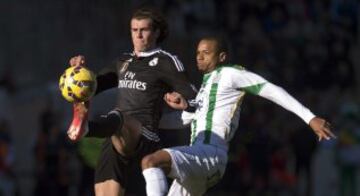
(310, 47)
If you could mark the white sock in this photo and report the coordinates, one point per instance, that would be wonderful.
(156, 184)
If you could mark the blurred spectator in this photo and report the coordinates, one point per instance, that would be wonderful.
(348, 152)
(348, 158)
(282, 180)
(52, 152)
(7, 81)
(89, 151)
(304, 145)
(7, 178)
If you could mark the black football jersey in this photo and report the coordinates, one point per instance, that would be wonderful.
(142, 82)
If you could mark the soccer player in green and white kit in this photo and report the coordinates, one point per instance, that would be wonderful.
(199, 166)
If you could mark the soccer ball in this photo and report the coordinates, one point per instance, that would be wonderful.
(77, 84)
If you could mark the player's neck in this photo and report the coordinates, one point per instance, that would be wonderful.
(139, 52)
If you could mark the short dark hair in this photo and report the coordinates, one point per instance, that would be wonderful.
(221, 43)
(158, 21)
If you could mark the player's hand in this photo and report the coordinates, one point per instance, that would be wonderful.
(322, 128)
(78, 60)
(175, 101)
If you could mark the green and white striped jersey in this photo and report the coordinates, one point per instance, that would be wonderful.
(219, 102)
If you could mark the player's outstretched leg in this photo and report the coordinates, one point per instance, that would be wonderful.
(79, 126)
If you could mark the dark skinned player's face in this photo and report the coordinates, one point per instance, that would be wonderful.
(207, 56)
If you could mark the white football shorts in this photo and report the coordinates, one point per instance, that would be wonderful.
(195, 168)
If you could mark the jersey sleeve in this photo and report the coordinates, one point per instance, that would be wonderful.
(281, 97)
(245, 80)
(173, 74)
(257, 85)
(107, 77)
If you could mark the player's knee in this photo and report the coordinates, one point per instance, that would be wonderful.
(149, 161)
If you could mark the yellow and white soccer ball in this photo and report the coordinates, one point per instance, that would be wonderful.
(77, 84)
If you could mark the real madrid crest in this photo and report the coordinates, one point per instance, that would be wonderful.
(154, 62)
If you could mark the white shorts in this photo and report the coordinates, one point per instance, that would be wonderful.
(195, 168)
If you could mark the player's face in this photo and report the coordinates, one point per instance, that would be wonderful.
(142, 34)
(207, 56)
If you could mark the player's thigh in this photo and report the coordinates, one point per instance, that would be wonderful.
(109, 188)
(126, 140)
(160, 158)
(131, 128)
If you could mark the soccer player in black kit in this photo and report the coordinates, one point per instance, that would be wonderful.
(142, 77)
